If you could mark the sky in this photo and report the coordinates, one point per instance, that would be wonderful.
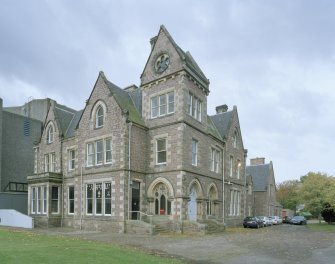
(274, 60)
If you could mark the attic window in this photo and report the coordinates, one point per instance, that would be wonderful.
(50, 134)
(99, 118)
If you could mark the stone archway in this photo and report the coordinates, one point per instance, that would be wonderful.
(160, 193)
(194, 207)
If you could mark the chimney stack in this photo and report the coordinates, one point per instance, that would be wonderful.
(257, 161)
(221, 109)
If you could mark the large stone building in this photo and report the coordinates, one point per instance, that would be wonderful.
(264, 187)
(148, 152)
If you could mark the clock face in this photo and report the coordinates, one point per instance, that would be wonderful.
(162, 63)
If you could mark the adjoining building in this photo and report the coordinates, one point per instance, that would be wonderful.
(264, 187)
(19, 131)
(151, 153)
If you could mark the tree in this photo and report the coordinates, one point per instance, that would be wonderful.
(287, 194)
(314, 191)
(328, 213)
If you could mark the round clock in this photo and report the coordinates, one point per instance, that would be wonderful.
(162, 63)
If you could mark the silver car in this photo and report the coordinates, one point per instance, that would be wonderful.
(266, 220)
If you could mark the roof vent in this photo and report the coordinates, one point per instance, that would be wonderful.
(221, 109)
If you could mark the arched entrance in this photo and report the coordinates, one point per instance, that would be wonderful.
(192, 205)
(161, 199)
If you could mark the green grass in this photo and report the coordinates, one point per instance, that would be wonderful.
(20, 246)
(323, 227)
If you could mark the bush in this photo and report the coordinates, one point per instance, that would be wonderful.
(328, 213)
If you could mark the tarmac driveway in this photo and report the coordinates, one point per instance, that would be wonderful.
(276, 244)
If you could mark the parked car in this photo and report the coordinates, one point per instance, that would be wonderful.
(266, 220)
(252, 221)
(287, 219)
(298, 220)
(276, 220)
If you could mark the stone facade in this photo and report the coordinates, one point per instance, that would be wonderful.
(138, 153)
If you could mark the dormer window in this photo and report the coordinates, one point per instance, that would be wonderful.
(50, 134)
(99, 118)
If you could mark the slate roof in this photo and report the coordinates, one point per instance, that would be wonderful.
(222, 121)
(67, 119)
(125, 101)
(212, 129)
(260, 176)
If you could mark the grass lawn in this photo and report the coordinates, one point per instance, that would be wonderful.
(20, 246)
(322, 227)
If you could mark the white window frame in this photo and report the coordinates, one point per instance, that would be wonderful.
(108, 149)
(161, 151)
(89, 198)
(90, 154)
(194, 147)
(238, 169)
(105, 198)
(33, 200)
(99, 160)
(50, 134)
(45, 200)
(162, 105)
(50, 162)
(231, 162)
(194, 107)
(46, 163)
(39, 200)
(71, 159)
(55, 199)
(99, 117)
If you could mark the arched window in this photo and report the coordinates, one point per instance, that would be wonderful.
(50, 134)
(99, 117)
(162, 203)
(235, 139)
(212, 196)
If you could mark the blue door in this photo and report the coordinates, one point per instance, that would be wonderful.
(192, 205)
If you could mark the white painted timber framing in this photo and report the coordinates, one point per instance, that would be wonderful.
(13, 218)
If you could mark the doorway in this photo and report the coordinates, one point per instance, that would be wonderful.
(135, 200)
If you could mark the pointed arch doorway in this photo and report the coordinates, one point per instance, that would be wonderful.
(192, 205)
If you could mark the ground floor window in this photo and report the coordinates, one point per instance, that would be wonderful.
(71, 200)
(55, 195)
(98, 198)
(162, 203)
(38, 202)
(235, 203)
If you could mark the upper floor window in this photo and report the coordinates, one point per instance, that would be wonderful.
(99, 152)
(162, 105)
(50, 162)
(194, 152)
(238, 169)
(235, 139)
(215, 160)
(231, 166)
(50, 134)
(161, 151)
(99, 117)
(72, 156)
(194, 107)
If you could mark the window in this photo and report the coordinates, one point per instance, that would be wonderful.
(33, 200)
(55, 199)
(45, 204)
(235, 139)
(90, 154)
(194, 152)
(71, 200)
(231, 166)
(215, 160)
(238, 169)
(162, 105)
(108, 198)
(194, 107)
(99, 117)
(50, 162)
(161, 151)
(89, 199)
(39, 200)
(72, 156)
(50, 134)
(99, 152)
(108, 151)
(235, 203)
(98, 198)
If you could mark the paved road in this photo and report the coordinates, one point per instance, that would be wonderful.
(284, 244)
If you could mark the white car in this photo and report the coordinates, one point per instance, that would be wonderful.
(266, 220)
(276, 220)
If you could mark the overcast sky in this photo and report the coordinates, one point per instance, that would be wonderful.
(274, 60)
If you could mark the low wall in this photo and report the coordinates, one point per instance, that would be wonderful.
(13, 218)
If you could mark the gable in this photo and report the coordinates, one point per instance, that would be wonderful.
(165, 51)
(260, 176)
